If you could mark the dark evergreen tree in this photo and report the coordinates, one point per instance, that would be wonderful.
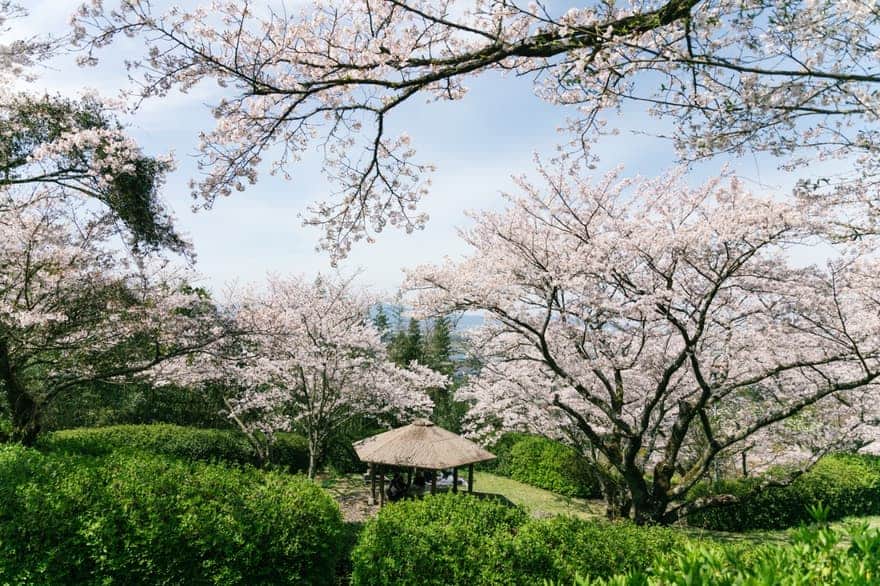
(437, 350)
(380, 321)
(406, 345)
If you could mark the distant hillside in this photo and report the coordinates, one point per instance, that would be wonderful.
(462, 322)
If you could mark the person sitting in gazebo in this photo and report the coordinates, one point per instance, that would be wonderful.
(397, 488)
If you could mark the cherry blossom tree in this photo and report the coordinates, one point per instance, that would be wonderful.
(659, 327)
(76, 308)
(311, 360)
(793, 78)
(62, 148)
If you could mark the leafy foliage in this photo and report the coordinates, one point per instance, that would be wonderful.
(451, 539)
(136, 402)
(562, 548)
(289, 450)
(819, 555)
(848, 485)
(544, 463)
(444, 539)
(146, 519)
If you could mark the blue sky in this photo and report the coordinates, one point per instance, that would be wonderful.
(476, 143)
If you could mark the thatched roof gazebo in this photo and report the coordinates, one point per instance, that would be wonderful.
(421, 445)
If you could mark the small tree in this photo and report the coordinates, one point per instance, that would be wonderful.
(312, 361)
(624, 315)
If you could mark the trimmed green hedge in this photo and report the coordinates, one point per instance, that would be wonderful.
(444, 539)
(817, 556)
(289, 451)
(563, 547)
(147, 519)
(847, 485)
(544, 463)
(457, 539)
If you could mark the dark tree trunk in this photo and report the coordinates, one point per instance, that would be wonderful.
(26, 424)
(24, 409)
(651, 511)
(630, 497)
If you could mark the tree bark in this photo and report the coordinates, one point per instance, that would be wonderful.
(25, 419)
(25, 410)
(312, 460)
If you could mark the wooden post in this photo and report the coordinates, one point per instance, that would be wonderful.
(455, 480)
(433, 482)
(382, 486)
(471, 479)
(372, 484)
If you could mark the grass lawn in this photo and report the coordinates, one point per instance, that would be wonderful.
(539, 502)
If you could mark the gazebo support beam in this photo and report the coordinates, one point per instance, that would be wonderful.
(455, 480)
(382, 486)
(372, 473)
(433, 482)
(470, 478)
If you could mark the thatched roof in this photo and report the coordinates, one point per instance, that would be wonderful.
(420, 444)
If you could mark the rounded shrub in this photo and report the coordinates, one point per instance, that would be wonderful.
(501, 448)
(147, 519)
(289, 451)
(457, 539)
(442, 540)
(565, 547)
(846, 484)
(550, 465)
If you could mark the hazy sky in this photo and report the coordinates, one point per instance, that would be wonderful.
(476, 143)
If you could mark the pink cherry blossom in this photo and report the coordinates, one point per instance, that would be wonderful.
(662, 329)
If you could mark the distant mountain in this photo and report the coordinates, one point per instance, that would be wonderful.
(463, 322)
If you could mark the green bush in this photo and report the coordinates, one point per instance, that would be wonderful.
(848, 485)
(547, 464)
(442, 540)
(817, 556)
(501, 448)
(563, 547)
(289, 451)
(456, 539)
(147, 519)
(103, 404)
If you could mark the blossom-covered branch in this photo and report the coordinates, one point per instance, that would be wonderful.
(661, 326)
(794, 78)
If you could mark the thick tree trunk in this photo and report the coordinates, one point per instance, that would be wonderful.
(25, 420)
(23, 407)
(642, 509)
(651, 511)
(645, 505)
(25, 415)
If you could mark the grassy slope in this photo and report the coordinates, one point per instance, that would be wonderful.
(540, 502)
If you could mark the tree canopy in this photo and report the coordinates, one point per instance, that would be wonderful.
(625, 316)
(794, 78)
